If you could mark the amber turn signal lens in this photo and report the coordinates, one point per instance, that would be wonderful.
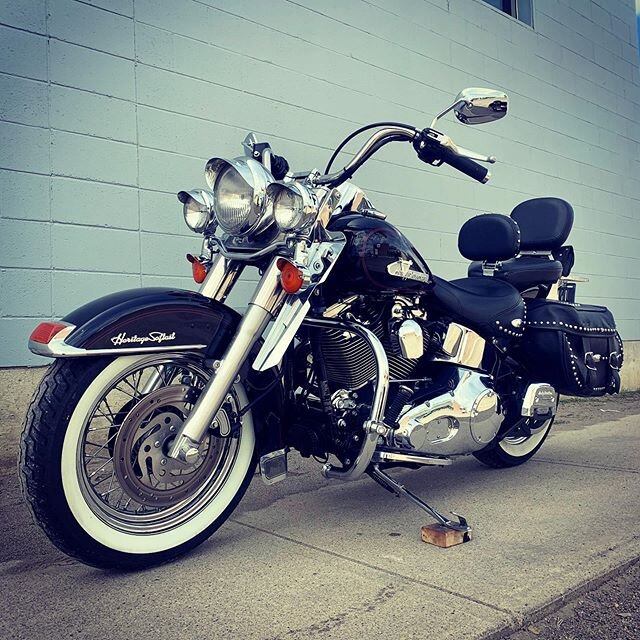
(291, 277)
(45, 331)
(198, 270)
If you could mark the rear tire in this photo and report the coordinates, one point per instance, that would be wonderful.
(78, 513)
(511, 452)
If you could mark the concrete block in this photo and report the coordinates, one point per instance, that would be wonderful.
(155, 46)
(81, 156)
(161, 213)
(93, 114)
(23, 54)
(604, 58)
(233, 106)
(92, 27)
(23, 101)
(186, 283)
(187, 18)
(165, 254)
(30, 16)
(14, 337)
(600, 16)
(72, 289)
(24, 196)
(76, 66)
(17, 241)
(24, 148)
(95, 249)
(25, 292)
(168, 171)
(370, 20)
(631, 369)
(124, 7)
(94, 203)
(188, 135)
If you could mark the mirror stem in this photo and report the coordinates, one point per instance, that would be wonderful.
(459, 103)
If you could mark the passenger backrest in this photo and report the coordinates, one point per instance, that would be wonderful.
(545, 223)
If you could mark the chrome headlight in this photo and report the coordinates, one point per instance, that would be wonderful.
(197, 209)
(294, 206)
(239, 190)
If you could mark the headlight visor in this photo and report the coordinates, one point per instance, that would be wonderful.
(197, 208)
(239, 194)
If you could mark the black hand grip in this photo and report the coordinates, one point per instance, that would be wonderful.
(467, 166)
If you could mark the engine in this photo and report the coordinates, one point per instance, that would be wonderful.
(464, 418)
(404, 334)
(457, 412)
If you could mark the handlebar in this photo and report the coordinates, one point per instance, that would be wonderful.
(431, 146)
(375, 142)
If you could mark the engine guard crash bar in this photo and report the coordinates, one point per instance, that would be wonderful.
(374, 427)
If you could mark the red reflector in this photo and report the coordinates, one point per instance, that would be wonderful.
(291, 277)
(45, 331)
(198, 270)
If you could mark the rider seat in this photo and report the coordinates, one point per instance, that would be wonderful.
(486, 305)
(545, 224)
(490, 306)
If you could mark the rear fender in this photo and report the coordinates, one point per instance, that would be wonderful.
(159, 319)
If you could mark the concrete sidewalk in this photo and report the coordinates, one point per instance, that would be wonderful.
(309, 557)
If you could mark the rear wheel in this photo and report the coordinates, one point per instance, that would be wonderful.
(515, 450)
(94, 464)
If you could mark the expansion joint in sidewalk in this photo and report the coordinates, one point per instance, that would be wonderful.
(374, 567)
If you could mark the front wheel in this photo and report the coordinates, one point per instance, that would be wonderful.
(94, 466)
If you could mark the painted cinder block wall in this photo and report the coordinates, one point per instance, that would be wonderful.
(108, 107)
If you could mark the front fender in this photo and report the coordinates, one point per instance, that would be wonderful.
(159, 319)
(143, 321)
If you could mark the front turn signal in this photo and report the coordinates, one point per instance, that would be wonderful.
(45, 331)
(198, 270)
(291, 277)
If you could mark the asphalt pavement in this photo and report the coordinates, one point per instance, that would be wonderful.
(310, 557)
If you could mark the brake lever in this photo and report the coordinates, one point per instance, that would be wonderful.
(447, 142)
(472, 155)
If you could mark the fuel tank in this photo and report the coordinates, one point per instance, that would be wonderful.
(377, 259)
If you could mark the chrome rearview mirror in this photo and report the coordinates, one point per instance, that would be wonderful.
(477, 105)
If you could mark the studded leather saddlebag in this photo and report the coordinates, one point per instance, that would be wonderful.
(574, 347)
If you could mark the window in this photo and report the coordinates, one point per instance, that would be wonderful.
(520, 9)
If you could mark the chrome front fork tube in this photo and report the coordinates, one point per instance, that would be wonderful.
(223, 274)
(263, 306)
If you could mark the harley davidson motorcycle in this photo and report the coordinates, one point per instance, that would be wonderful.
(146, 430)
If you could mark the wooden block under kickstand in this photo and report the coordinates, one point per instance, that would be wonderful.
(442, 537)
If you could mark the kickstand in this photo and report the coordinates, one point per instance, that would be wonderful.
(388, 483)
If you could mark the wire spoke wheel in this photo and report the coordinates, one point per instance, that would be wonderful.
(125, 474)
(94, 463)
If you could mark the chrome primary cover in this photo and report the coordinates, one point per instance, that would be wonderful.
(461, 421)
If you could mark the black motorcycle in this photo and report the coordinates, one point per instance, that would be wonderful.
(146, 430)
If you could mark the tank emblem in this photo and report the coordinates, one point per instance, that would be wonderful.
(402, 269)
